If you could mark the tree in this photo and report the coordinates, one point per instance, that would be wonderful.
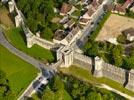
(121, 1)
(121, 38)
(129, 62)
(94, 96)
(58, 84)
(32, 24)
(117, 53)
(93, 51)
(48, 94)
(5, 92)
(62, 94)
(47, 33)
(38, 14)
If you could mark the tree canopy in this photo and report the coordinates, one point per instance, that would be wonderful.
(38, 14)
(63, 87)
(5, 91)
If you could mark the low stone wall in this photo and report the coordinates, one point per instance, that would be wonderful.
(82, 61)
(114, 73)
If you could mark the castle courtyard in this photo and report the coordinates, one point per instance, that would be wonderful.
(114, 26)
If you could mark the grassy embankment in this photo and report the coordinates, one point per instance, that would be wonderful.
(85, 75)
(19, 73)
(16, 37)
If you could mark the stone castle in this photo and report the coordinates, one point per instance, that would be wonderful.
(68, 55)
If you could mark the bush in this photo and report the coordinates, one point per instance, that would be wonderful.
(121, 39)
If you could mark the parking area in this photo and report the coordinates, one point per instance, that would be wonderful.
(114, 26)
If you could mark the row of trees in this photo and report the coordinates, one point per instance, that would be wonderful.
(38, 14)
(69, 88)
(5, 91)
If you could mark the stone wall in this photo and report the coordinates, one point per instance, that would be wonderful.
(103, 69)
(114, 73)
(82, 61)
(43, 43)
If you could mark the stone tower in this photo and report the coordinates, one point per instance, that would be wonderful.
(18, 21)
(98, 67)
(29, 38)
(11, 6)
(130, 84)
(66, 54)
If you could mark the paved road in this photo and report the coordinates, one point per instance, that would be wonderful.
(22, 55)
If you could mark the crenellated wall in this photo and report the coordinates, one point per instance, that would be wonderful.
(114, 73)
(103, 69)
(82, 61)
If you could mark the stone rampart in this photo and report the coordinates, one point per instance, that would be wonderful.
(82, 61)
(122, 76)
(114, 73)
(43, 43)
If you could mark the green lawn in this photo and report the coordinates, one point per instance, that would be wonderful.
(19, 72)
(17, 38)
(87, 76)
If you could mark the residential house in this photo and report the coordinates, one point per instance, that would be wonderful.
(66, 9)
(121, 9)
(132, 9)
(127, 3)
(84, 21)
(72, 36)
(89, 13)
(58, 36)
(84, 2)
(69, 24)
(129, 33)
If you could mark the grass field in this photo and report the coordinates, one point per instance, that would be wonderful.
(85, 75)
(16, 37)
(19, 73)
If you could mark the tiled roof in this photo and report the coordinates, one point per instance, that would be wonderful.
(59, 35)
(71, 35)
(65, 8)
(129, 31)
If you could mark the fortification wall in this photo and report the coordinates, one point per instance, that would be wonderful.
(43, 43)
(82, 61)
(114, 73)
(130, 84)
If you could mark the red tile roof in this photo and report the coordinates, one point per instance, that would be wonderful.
(65, 8)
